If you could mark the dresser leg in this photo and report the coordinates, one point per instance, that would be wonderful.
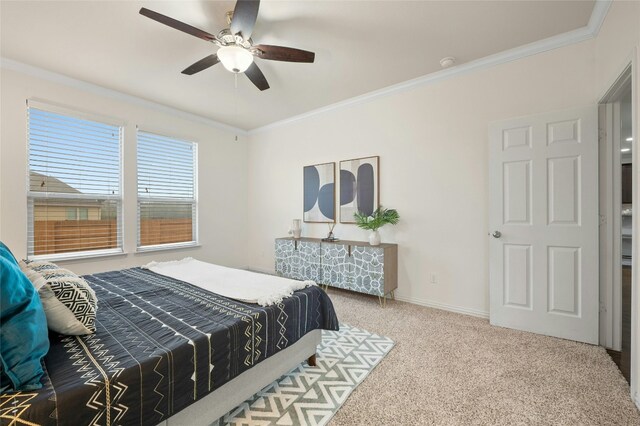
(383, 301)
(393, 296)
(312, 361)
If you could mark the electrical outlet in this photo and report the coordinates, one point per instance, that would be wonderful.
(433, 278)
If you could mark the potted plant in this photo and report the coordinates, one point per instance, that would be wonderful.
(372, 223)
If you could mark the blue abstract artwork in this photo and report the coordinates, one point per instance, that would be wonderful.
(358, 187)
(319, 193)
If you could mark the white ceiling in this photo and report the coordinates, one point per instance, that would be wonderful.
(360, 46)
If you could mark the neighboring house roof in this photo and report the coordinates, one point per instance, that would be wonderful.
(44, 183)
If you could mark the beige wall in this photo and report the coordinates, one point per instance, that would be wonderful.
(222, 173)
(433, 148)
(615, 44)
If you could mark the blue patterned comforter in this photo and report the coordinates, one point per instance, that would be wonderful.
(161, 344)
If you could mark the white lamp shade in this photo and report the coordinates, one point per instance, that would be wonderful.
(235, 58)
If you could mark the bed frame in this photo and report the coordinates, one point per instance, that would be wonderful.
(231, 394)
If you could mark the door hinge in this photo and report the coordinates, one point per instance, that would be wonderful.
(603, 308)
(603, 219)
(602, 136)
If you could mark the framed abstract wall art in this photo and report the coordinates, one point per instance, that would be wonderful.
(359, 187)
(319, 193)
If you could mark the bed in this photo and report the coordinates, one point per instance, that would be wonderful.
(168, 352)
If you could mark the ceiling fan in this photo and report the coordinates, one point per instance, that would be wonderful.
(237, 50)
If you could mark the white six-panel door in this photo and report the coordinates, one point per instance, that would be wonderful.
(544, 224)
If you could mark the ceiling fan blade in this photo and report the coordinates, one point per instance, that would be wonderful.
(281, 53)
(174, 23)
(202, 64)
(244, 17)
(255, 75)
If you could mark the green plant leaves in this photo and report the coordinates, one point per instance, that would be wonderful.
(379, 218)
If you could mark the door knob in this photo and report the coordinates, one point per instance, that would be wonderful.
(496, 234)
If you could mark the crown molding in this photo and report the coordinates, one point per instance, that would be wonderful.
(599, 13)
(587, 32)
(21, 67)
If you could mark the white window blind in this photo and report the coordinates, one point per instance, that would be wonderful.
(74, 190)
(167, 206)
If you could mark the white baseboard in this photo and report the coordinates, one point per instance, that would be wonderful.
(445, 307)
(427, 303)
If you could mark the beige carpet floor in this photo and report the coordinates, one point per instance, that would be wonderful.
(452, 369)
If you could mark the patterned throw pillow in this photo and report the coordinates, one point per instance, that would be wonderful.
(69, 303)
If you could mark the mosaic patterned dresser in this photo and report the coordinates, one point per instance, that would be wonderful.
(350, 265)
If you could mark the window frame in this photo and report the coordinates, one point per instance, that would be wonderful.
(195, 242)
(31, 196)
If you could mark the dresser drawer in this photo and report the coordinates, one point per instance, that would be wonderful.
(336, 265)
(367, 274)
(298, 260)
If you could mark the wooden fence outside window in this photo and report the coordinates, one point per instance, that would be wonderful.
(63, 236)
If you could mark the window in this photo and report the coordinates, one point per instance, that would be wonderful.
(83, 213)
(72, 213)
(167, 207)
(74, 196)
(77, 213)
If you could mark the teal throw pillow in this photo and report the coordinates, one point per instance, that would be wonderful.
(24, 338)
(6, 253)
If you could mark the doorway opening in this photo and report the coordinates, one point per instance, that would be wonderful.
(617, 143)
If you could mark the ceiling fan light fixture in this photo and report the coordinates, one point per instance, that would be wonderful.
(235, 58)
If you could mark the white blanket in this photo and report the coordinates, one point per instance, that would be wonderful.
(245, 286)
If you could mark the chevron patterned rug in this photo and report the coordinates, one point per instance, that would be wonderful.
(310, 396)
